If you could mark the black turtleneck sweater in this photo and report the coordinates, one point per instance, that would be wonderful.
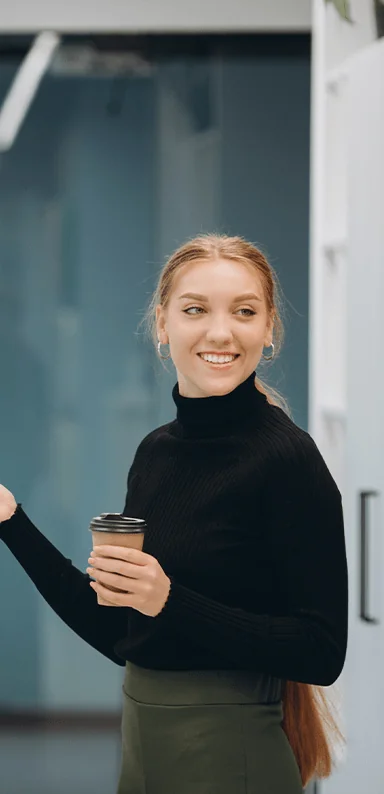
(245, 518)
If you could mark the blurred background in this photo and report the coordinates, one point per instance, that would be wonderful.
(124, 130)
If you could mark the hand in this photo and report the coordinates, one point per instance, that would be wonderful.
(8, 504)
(144, 584)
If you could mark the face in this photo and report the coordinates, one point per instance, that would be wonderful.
(217, 323)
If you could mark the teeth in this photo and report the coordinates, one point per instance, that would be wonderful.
(218, 359)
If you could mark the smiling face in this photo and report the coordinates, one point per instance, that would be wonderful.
(217, 322)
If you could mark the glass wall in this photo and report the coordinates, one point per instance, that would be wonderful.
(108, 175)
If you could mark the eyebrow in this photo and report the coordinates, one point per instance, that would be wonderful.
(196, 296)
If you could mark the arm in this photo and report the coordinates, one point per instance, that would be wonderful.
(307, 641)
(64, 587)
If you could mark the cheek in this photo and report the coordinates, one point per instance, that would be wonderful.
(254, 337)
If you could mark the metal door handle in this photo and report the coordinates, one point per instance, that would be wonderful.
(364, 560)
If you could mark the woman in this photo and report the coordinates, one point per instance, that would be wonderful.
(234, 615)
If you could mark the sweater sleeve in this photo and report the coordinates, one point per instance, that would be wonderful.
(307, 641)
(64, 587)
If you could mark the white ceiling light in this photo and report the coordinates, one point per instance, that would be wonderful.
(25, 85)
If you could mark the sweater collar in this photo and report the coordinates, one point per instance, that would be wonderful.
(217, 415)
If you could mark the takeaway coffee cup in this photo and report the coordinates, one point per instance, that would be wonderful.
(114, 529)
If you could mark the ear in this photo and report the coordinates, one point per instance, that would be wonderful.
(268, 339)
(160, 324)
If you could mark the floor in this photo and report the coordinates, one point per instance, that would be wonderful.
(59, 763)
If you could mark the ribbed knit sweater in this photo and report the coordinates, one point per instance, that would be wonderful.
(245, 518)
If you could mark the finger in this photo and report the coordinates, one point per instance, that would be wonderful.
(127, 569)
(122, 553)
(117, 599)
(100, 599)
(111, 580)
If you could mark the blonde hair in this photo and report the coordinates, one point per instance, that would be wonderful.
(308, 720)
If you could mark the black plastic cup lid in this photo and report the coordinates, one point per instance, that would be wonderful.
(116, 522)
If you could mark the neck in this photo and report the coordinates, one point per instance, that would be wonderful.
(219, 415)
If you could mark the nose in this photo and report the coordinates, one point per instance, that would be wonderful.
(219, 333)
(219, 330)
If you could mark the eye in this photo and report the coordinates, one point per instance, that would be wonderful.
(251, 312)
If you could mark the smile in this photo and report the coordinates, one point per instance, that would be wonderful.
(217, 365)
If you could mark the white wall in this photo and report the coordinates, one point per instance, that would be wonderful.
(334, 41)
(333, 360)
(343, 39)
(155, 15)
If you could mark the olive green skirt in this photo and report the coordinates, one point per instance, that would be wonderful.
(204, 732)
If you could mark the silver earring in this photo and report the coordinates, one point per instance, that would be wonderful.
(269, 358)
(159, 352)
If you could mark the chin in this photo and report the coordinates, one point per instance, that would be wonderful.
(215, 386)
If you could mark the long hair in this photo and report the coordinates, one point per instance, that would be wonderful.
(308, 721)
